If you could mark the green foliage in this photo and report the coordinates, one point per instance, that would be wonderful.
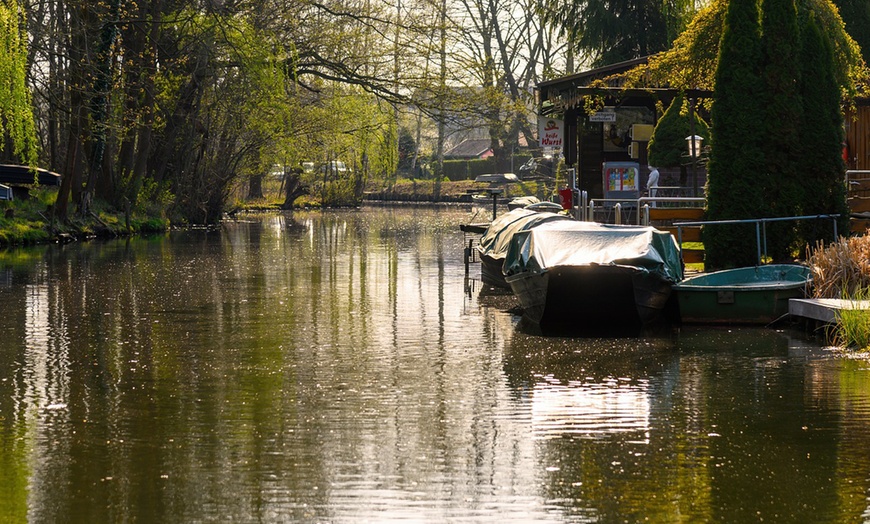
(852, 329)
(154, 198)
(338, 194)
(737, 154)
(778, 178)
(16, 114)
(856, 15)
(618, 31)
(692, 60)
(407, 148)
(22, 232)
(780, 158)
(668, 142)
(820, 168)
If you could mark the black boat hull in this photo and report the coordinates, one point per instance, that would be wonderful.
(592, 298)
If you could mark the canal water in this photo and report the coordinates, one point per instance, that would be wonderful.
(340, 367)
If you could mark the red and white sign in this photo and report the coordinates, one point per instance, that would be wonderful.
(550, 131)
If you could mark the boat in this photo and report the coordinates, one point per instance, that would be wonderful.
(522, 201)
(497, 178)
(493, 244)
(747, 295)
(592, 277)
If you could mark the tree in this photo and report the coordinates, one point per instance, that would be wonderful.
(507, 49)
(609, 32)
(668, 141)
(738, 134)
(16, 115)
(693, 59)
(856, 15)
(820, 167)
(778, 177)
(742, 181)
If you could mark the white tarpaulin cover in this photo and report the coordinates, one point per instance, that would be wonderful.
(495, 240)
(573, 243)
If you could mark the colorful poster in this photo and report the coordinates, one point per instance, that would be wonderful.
(621, 180)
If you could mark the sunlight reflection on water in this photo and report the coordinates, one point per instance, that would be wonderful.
(340, 367)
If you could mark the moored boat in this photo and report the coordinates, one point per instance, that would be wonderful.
(592, 277)
(494, 242)
(748, 295)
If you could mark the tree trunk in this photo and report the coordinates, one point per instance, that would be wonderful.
(293, 188)
(100, 178)
(255, 187)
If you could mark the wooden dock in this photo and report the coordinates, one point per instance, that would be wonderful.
(823, 309)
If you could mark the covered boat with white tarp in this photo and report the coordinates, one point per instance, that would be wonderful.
(493, 245)
(592, 276)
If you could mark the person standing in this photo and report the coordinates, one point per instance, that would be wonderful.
(652, 182)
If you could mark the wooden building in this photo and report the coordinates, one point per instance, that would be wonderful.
(857, 147)
(617, 132)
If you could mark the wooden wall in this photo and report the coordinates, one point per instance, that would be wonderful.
(858, 136)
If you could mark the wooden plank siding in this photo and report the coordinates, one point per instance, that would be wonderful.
(858, 197)
(857, 125)
(858, 136)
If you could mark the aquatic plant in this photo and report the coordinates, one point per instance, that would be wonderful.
(853, 324)
(841, 269)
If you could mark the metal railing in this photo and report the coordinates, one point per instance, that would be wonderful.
(616, 208)
(641, 205)
(760, 227)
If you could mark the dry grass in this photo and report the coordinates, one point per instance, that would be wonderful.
(842, 269)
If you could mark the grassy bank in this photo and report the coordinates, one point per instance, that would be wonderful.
(30, 220)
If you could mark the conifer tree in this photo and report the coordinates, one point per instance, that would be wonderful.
(738, 135)
(669, 137)
(856, 16)
(778, 176)
(821, 169)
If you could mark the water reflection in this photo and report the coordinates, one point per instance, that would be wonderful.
(341, 367)
(590, 409)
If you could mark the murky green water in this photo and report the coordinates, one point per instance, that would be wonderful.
(338, 367)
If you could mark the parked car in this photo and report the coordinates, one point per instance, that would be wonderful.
(334, 167)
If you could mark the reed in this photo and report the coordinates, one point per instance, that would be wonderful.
(841, 269)
(853, 325)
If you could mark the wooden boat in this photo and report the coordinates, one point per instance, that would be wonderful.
(592, 277)
(749, 295)
(494, 242)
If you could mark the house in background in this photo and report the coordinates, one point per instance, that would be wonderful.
(470, 149)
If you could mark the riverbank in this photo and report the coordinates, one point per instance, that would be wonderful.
(29, 221)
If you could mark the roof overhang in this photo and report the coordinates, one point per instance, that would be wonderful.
(558, 97)
(13, 174)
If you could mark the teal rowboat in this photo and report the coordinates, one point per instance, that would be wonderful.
(749, 295)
